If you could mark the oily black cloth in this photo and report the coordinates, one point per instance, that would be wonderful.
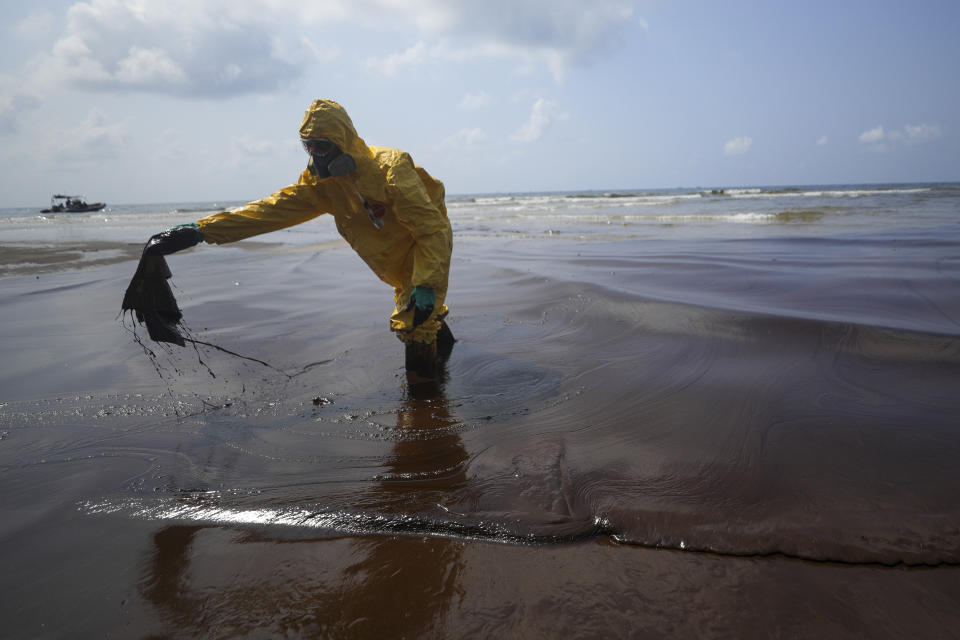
(150, 298)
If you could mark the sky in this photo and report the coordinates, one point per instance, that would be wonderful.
(149, 101)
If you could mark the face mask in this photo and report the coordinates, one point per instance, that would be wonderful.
(327, 160)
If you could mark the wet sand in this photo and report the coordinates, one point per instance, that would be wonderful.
(675, 444)
(34, 259)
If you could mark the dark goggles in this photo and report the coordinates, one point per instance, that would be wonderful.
(318, 146)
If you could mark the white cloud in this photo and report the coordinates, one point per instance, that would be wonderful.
(465, 139)
(542, 114)
(36, 25)
(475, 101)
(14, 104)
(556, 32)
(214, 48)
(872, 136)
(393, 63)
(249, 146)
(911, 134)
(822, 140)
(304, 50)
(148, 66)
(223, 48)
(916, 134)
(550, 33)
(13, 107)
(168, 146)
(246, 152)
(93, 140)
(737, 146)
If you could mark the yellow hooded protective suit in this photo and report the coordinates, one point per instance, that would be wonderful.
(413, 247)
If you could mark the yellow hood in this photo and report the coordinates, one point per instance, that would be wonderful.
(327, 119)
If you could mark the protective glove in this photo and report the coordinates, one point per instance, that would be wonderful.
(421, 301)
(178, 238)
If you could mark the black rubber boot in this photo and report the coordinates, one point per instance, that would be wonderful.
(445, 341)
(421, 359)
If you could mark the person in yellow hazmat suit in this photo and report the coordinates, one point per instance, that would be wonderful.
(391, 211)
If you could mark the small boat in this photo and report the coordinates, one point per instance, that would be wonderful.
(71, 204)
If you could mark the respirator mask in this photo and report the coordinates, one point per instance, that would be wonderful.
(327, 159)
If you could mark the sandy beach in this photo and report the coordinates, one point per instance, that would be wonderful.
(646, 439)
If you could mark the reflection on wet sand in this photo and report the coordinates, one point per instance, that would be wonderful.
(406, 594)
(205, 580)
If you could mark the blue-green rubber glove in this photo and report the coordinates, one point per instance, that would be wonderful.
(182, 236)
(421, 301)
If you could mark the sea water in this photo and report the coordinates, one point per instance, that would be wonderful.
(584, 215)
